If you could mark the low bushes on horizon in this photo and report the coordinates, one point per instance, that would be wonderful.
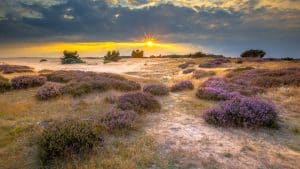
(119, 119)
(197, 74)
(156, 89)
(50, 90)
(7, 69)
(182, 85)
(5, 85)
(112, 56)
(62, 139)
(214, 63)
(23, 82)
(71, 57)
(253, 54)
(137, 54)
(139, 102)
(243, 112)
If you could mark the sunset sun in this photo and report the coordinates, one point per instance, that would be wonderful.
(149, 43)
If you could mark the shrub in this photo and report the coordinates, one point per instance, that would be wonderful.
(77, 88)
(119, 119)
(139, 102)
(4, 84)
(253, 53)
(214, 63)
(156, 89)
(7, 69)
(243, 112)
(197, 74)
(210, 93)
(187, 71)
(71, 57)
(112, 56)
(43, 60)
(22, 82)
(288, 59)
(137, 54)
(63, 138)
(125, 85)
(182, 85)
(49, 90)
(112, 99)
(239, 61)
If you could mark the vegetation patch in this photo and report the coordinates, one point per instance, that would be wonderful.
(197, 74)
(4, 84)
(156, 89)
(139, 102)
(253, 54)
(182, 85)
(187, 71)
(71, 57)
(7, 69)
(23, 82)
(50, 90)
(64, 138)
(214, 63)
(137, 54)
(210, 93)
(243, 112)
(112, 56)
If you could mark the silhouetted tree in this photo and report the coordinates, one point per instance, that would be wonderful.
(112, 56)
(71, 57)
(253, 53)
(137, 54)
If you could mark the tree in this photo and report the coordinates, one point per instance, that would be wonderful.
(71, 57)
(253, 53)
(112, 56)
(137, 54)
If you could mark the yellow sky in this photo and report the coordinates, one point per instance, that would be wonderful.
(94, 49)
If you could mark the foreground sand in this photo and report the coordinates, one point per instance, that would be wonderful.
(178, 129)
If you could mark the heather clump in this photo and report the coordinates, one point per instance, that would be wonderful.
(7, 69)
(50, 90)
(63, 139)
(4, 84)
(197, 74)
(182, 85)
(210, 93)
(243, 112)
(186, 64)
(139, 102)
(77, 88)
(23, 82)
(156, 89)
(119, 119)
(187, 71)
(214, 63)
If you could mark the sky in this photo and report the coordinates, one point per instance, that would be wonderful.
(225, 27)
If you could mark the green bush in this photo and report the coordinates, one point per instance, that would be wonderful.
(253, 54)
(137, 54)
(71, 57)
(4, 84)
(112, 56)
(68, 137)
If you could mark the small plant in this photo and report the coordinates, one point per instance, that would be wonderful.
(43, 60)
(49, 90)
(71, 57)
(243, 112)
(253, 54)
(119, 119)
(182, 85)
(186, 64)
(187, 71)
(64, 138)
(137, 54)
(112, 56)
(23, 82)
(4, 84)
(156, 89)
(139, 102)
(197, 74)
(214, 63)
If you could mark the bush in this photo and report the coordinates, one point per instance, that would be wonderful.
(23, 82)
(139, 102)
(7, 69)
(49, 90)
(197, 74)
(64, 138)
(288, 59)
(243, 112)
(137, 54)
(43, 60)
(125, 85)
(187, 71)
(214, 63)
(156, 89)
(182, 85)
(4, 84)
(186, 64)
(112, 56)
(119, 119)
(210, 93)
(71, 57)
(77, 88)
(253, 54)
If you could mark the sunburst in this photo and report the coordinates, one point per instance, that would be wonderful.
(149, 39)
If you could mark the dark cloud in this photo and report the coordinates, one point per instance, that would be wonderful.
(224, 28)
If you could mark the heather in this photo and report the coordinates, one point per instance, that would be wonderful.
(49, 90)
(4, 84)
(210, 93)
(7, 69)
(187, 71)
(186, 64)
(23, 82)
(139, 102)
(197, 74)
(62, 139)
(214, 63)
(182, 85)
(243, 112)
(119, 119)
(156, 89)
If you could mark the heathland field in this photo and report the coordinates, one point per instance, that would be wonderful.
(172, 113)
